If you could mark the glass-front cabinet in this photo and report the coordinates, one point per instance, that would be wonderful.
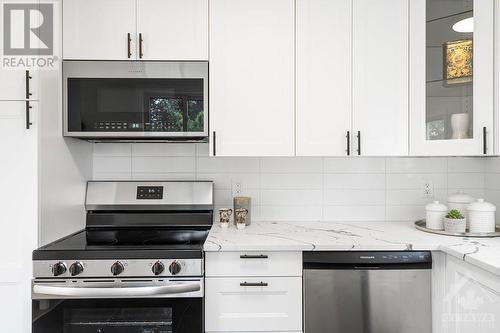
(451, 77)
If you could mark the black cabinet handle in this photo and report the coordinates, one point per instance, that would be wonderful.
(348, 138)
(28, 78)
(28, 121)
(140, 45)
(485, 148)
(214, 143)
(253, 256)
(253, 284)
(129, 40)
(359, 142)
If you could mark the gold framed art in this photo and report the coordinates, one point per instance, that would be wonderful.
(458, 62)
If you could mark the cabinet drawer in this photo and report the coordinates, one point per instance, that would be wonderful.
(253, 304)
(253, 264)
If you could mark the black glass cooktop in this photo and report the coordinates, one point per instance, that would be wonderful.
(126, 244)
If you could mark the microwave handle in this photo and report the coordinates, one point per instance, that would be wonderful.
(115, 292)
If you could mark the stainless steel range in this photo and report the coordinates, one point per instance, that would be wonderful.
(137, 266)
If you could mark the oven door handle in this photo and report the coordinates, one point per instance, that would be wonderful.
(116, 292)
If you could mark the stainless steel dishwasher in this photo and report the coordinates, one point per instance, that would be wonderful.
(367, 292)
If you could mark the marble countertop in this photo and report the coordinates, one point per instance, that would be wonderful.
(355, 236)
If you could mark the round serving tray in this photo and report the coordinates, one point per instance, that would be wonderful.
(420, 225)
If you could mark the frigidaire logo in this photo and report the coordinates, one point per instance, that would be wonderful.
(28, 35)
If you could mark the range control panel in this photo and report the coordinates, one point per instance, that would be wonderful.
(149, 192)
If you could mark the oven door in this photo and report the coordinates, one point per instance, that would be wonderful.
(132, 305)
(127, 100)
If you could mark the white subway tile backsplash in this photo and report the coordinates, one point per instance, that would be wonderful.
(416, 165)
(365, 197)
(163, 176)
(163, 164)
(354, 165)
(290, 213)
(292, 181)
(405, 212)
(292, 165)
(161, 149)
(112, 164)
(405, 181)
(466, 164)
(291, 197)
(306, 188)
(227, 164)
(354, 181)
(225, 180)
(354, 213)
(112, 176)
(413, 197)
(466, 180)
(112, 149)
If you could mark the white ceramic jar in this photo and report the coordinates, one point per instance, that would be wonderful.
(481, 216)
(460, 201)
(434, 215)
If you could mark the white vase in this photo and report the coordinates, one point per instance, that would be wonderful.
(460, 125)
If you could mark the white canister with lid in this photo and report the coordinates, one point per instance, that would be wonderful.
(460, 201)
(434, 215)
(481, 216)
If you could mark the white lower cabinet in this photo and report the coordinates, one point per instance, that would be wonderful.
(471, 303)
(253, 292)
(253, 304)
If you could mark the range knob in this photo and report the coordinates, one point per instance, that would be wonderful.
(117, 268)
(174, 268)
(158, 268)
(59, 268)
(76, 268)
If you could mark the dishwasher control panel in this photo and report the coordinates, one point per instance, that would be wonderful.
(358, 259)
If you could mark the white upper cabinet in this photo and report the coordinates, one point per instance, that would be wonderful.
(99, 29)
(380, 77)
(252, 77)
(17, 85)
(323, 79)
(173, 29)
(19, 204)
(451, 77)
(135, 29)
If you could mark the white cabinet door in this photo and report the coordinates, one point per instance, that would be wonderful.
(472, 300)
(252, 77)
(451, 98)
(18, 203)
(173, 29)
(98, 29)
(380, 76)
(323, 77)
(253, 304)
(13, 85)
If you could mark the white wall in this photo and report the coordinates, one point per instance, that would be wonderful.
(296, 188)
(65, 164)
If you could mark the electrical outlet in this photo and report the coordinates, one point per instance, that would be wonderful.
(236, 188)
(428, 189)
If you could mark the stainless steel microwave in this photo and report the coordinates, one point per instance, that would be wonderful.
(123, 100)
